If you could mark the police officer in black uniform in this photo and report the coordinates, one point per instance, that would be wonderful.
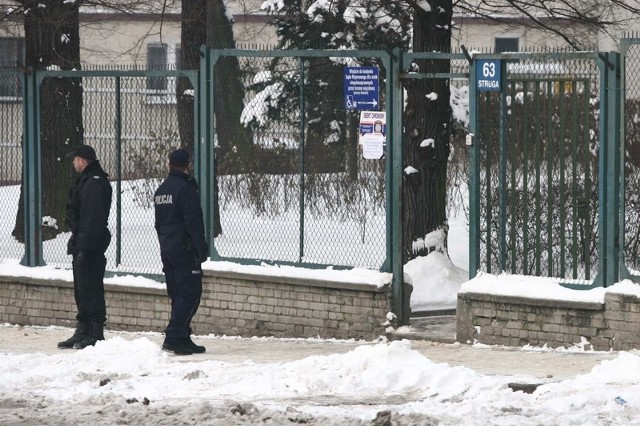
(180, 227)
(87, 216)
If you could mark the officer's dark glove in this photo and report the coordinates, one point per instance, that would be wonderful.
(204, 256)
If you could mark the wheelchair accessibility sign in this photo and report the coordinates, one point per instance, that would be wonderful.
(361, 88)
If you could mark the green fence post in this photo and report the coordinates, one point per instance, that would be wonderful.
(392, 113)
(204, 166)
(609, 164)
(473, 141)
(31, 166)
(302, 168)
(394, 193)
(613, 170)
(118, 129)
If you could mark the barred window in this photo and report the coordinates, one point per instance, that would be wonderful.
(161, 57)
(507, 44)
(157, 60)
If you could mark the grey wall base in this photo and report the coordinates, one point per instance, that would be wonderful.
(518, 321)
(232, 304)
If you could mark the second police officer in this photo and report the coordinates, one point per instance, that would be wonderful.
(183, 247)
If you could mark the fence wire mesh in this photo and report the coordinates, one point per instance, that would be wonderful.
(292, 182)
(292, 185)
(539, 177)
(11, 114)
(631, 122)
(133, 128)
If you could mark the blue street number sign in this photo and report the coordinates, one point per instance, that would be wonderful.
(361, 86)
(488, 75)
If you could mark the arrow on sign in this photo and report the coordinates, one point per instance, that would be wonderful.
(374, 103)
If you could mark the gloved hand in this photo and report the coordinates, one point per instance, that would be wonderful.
(204, 255)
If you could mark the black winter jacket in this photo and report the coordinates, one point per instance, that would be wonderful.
(88, 211)
(179, 221)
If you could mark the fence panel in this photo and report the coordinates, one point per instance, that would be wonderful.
(132, 128)
(293, 186)
(539, 168)
(630, 50)
(11, 114)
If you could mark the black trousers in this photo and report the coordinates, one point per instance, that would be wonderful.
(184, 287)
(88, 287)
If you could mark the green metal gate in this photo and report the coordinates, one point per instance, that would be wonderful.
(537, 156)
(290, 184)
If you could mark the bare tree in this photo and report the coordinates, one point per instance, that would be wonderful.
(574, 21)
(52, 41)
(206, 22)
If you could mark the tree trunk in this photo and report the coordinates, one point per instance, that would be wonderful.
(52, 41)
(193, 34)
(205, 22)
(428, 115)
(233, 136)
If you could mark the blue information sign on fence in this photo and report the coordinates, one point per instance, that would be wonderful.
(488, 77)
(361, 86)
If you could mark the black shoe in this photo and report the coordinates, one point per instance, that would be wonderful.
(87, 341)
(178, 348)
(81, 332)
(96, 332)
(68, 344)
(197, 349)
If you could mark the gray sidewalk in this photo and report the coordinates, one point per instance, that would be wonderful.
(427, 336)
(440, 328)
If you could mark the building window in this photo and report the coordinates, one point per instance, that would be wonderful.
(12, 54)
(507, 44)
(160, 57)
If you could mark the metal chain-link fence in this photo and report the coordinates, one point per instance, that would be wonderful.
(292, 182)
(631, 123)
(11, 114)
(132, 122)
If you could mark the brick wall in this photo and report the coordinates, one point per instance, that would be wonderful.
(518, 321)
(232, 303)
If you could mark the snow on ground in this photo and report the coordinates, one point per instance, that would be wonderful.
(128, 379)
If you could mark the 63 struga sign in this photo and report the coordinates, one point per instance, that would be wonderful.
(488, 75)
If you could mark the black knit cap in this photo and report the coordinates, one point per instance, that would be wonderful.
(179, 157)
(83, 151)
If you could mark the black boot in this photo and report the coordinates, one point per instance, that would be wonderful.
(96, 332)
(177, 346)
(82, 331)
(197, 349)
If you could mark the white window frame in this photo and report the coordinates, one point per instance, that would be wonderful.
(168, 94)
(9, 60)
